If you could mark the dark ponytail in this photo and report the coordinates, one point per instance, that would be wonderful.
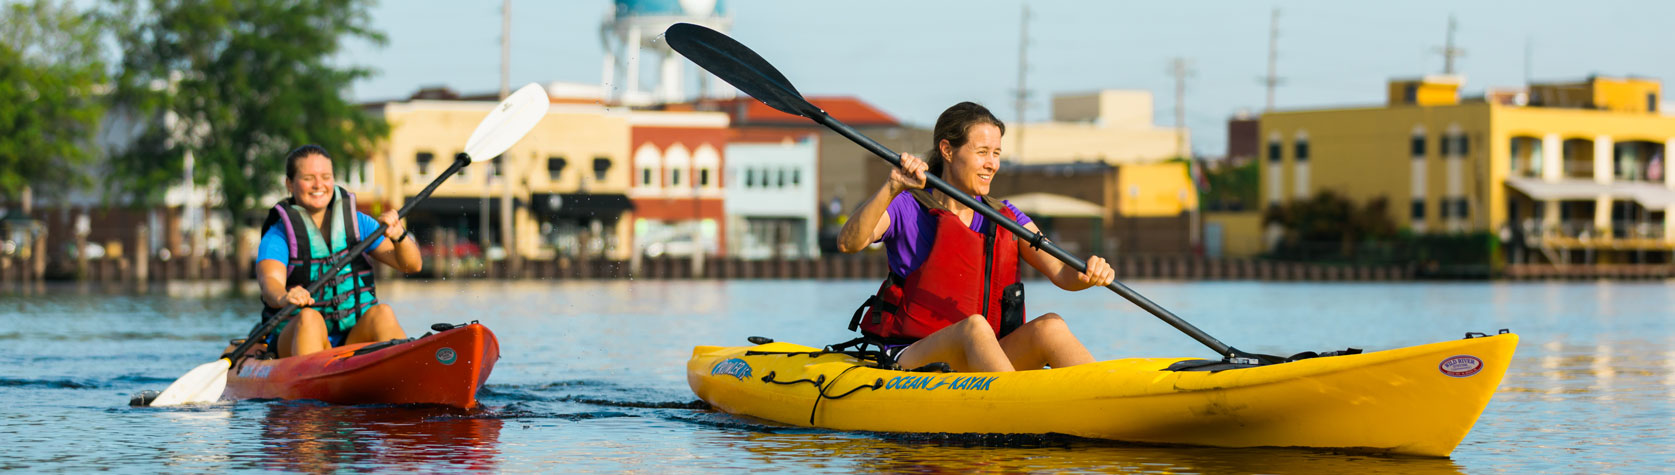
(954, 125)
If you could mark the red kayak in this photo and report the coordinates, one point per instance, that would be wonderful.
(444, 368)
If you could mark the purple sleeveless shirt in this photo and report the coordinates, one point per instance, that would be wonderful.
(907, 242)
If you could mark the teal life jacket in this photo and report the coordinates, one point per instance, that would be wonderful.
(345, 296)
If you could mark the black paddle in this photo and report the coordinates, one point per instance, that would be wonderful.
(744, 69)
(507, 123)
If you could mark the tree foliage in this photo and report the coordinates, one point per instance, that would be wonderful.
(1231, 188)
(51, 71)
(1328, 218)
(237, 84)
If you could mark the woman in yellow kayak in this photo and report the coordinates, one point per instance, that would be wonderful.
(953, 294)
(301, 238)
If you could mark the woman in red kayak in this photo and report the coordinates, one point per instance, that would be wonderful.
(301, 238)
(953, 294)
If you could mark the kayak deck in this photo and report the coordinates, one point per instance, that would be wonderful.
(444, 368)
(1419, 400)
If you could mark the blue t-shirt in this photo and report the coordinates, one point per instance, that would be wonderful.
(274, 247)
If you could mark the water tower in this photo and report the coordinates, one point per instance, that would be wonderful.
(634, 26)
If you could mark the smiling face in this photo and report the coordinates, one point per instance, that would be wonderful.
(971, 167)
(313, 184)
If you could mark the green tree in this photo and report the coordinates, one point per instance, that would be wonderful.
(1331, 220)
(51, 73)
(237, 84)
(1231, 188)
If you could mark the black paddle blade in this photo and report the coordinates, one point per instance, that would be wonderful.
(738, 65)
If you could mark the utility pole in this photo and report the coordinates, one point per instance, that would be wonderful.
(1022, 97)
(1181, 69)
(505, 48)
(499, 164)
(1273, 80)
(1449, 51)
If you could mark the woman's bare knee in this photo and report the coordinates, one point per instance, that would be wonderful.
(377, 324)
(305, 334)
(977, 325)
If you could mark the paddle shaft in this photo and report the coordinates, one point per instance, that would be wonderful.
(1035, 239)
(267, 326)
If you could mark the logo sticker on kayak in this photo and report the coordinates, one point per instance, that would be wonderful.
(446, 356)
(732, 367)
(932, 383)
(255, 372)
(1461, 366)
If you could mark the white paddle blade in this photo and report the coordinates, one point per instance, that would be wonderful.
(204, 383)
(508, 123)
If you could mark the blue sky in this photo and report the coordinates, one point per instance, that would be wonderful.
(914, 58)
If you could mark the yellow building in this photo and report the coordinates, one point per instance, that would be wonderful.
(1560, 169)
(566, 180)
(1152, 190)
(1111, 126)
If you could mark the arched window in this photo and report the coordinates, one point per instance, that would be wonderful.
(648, 164)
(1300, 146)
(677, 160)
(704, 163)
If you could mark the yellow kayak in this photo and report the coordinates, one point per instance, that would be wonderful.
(1419, 400)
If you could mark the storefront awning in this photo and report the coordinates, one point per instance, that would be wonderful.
(1652, 196)
(579, 204)
(1058, 206)
(450, 205)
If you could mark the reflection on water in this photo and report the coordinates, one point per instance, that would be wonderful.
(593, 379)
(942, 453)
(308, 437)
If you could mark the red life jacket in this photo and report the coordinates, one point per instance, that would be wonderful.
(967, 273)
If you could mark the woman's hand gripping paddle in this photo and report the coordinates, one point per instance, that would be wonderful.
(746, 70)
(504, 126)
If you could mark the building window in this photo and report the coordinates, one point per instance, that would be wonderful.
(1410, 93)
(749, 177)
(1274, 151)
(674, 177)
(497, 165)
(1418, 213)
(424, 159)
(1651, 102)
(555, 167)
(1463, 147)
(645, 177)
(1302, 147)
(782, 178)
(601, 165)
(1418, 147)
(1513, 150)
(1461, 210)
(796, 177)
(1444, 208)
(704, 177)
(1446, 146)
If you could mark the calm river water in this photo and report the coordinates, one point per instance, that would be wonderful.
(592, 379)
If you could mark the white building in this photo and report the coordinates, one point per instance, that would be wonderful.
(771, 204)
